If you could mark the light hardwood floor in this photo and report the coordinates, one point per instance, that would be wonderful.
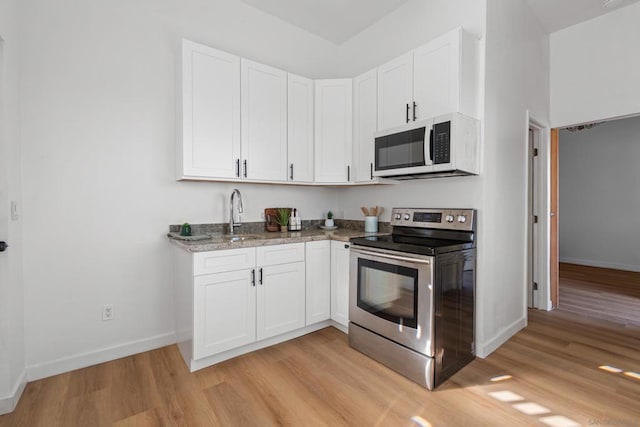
(318, 380)
(602, 293)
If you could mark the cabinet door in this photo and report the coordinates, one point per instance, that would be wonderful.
(395, 92)
(340, 282)
(281, 299)
(264, 122)
(210, 109)
(224, 311)
(300, 129)
(436, 84)
(318, 272)
(333, 130)
(365, 89)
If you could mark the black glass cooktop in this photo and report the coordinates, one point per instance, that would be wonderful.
(411, 244)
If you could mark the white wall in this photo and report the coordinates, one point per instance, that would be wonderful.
(409, 26)
(599, 209)
(595, 68)
(517, 58)
(12, 377)
(98, 112)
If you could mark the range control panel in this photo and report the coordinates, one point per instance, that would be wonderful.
(446, 219)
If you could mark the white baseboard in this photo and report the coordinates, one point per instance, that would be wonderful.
(601, 264)
(8, 403)
(485, 349)
(71, 363)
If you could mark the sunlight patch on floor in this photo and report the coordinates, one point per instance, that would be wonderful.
(633, 375)
(559, 421)
(531, 408)
(611, 369)
(506, 396)
(501, 378)
(420, 421)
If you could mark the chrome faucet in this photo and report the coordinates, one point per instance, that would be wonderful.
(232, 221)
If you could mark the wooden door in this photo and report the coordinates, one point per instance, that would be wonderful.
(553, 223)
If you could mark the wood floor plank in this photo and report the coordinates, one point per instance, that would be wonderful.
(318, 379)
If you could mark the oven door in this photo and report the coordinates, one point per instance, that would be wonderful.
(391, 294)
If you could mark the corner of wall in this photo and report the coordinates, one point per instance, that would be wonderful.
(9, 402)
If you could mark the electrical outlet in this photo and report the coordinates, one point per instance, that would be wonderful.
(107, 312)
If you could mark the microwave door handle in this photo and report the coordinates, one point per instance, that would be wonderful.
(431, 146)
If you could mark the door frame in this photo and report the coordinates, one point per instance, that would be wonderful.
(538, 260)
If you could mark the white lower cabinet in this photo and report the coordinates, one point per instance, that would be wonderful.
(340, 282)
(281, 301)
(224, 312)
(318, 262)
(241, 296)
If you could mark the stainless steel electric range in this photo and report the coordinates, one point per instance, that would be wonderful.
(411, 293)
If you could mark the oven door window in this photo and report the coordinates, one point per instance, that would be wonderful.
(388, 291)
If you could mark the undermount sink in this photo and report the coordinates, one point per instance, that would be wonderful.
(234, 238)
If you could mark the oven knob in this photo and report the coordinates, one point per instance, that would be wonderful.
(398, 216)
(462, 218)
(449, 218)
(407, 217)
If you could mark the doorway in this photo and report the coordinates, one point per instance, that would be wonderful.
(537, 295)
(596, 183)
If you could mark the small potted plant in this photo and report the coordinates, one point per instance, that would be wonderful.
(185, 230)
(329, 221)
(282, 218)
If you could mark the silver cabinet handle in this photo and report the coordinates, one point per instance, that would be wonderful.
(238, 168)
(291, 173)
(245, 168)
(253, 277)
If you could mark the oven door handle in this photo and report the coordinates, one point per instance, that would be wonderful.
(389, 256)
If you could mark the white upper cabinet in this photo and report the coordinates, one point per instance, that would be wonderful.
(210, 108)
(365, 90)
(300, 129)
(438, 78)
(395, 91)
(333, 130)
(446, 76)
(264, 122)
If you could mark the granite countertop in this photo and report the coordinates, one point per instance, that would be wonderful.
(220, 241)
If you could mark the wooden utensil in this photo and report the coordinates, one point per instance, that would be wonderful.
(380, 210)
(374, 211)
(365, 211)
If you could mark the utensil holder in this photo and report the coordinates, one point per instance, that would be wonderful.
(370, 224)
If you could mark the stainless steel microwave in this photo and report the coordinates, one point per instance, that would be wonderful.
(442, 146)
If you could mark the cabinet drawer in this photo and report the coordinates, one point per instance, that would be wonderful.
(226, 260)
(280, 254)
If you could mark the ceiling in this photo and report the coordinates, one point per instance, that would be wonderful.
(333, 20)
(558, 14)
(340, 20)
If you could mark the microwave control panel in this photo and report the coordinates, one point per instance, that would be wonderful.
(447, 219)
(441, 143)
